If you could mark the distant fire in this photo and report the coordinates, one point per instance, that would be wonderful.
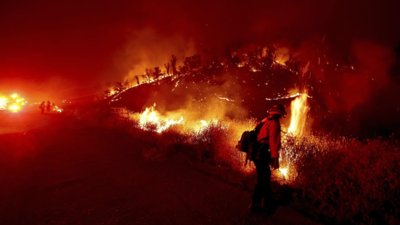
(12, 103)
(57, 109)
(3, 103)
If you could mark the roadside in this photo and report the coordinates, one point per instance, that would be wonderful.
(65, 172)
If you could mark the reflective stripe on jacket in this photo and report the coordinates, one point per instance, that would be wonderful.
(270, 134)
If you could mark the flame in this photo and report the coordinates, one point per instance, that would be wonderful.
(299, 110)
(241, 64)
(13, 103)
(56, 109)
(151, 116)
(3, 103)
(14, 108)
(282, 55)
(203, 122)
(284, 172)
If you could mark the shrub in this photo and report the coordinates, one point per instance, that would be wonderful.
(343, 178)
(347, 179)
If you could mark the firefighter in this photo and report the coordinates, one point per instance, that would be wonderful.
(266, 154)
(42, 106)
(48, 105)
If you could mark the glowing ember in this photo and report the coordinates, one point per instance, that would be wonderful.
(227, 99)
(284, 172)
(299, 110)
(286, 97)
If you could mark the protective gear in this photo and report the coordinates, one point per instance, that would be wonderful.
(48, 106)
(274, 163)
(262, 189)
(269, 137)
(277, 109)
(42, 106)
(269, 142)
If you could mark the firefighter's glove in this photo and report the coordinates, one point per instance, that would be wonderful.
(274, 163)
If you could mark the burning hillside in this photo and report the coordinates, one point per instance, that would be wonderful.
(328, 171)
(224, 94)
(237, 87)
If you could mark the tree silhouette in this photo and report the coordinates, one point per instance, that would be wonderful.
(127, 83)
(192, 63)
(167, 68)
(183, 69)
(137, 80)
(148, 74)
(157, 73)
(173, 65)
(118, 87)
(107, 92)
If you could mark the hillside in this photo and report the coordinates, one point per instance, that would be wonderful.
(237, 87)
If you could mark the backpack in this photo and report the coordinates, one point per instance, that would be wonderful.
(248, 141)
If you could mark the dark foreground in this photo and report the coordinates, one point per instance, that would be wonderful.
(56, 170)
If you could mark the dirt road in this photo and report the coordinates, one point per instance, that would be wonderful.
(56, 170)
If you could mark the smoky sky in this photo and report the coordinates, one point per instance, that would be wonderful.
(62, 48)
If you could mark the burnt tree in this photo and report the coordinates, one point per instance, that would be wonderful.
(173, 64)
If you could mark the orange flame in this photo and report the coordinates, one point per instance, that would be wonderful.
(299, 110)
(151, 116)
(3, 103)
(13, 104)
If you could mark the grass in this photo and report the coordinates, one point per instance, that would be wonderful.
(347, 179)
(343, 179)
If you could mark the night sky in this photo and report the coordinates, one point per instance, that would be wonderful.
(66, 49)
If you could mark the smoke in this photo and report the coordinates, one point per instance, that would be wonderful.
(374, 63)
(332, 35)
(342, 87)
(199, 100)
(147, 49)
(83, 43)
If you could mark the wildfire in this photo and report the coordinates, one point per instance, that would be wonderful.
(299, 110)
(56, 109)
(152, 120)
(3, 103)
(152, 117)
(284, 172)
(14, 108)
(13, 103)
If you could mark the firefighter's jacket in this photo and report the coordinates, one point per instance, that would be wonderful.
(270, 136)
